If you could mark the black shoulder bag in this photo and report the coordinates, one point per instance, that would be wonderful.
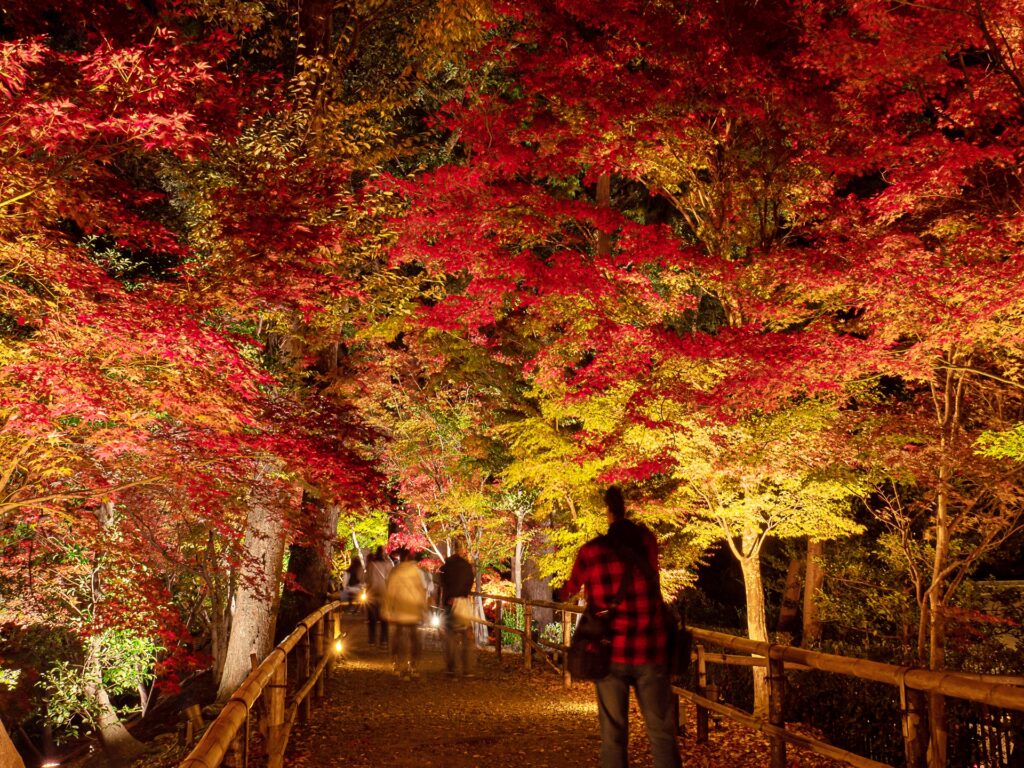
(590, 651)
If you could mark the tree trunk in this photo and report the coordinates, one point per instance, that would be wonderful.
(309, 569)
(219, 577)
(938, 737)
(604, 199)
(948, 413)
(220, 631)
(118, 744)
(536, 588)
(517, 558)
(813, 581)
(256, 595)
(757, 625)
(9, 757)
(789, 610)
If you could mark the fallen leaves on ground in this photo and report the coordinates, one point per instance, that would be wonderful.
(505, 717)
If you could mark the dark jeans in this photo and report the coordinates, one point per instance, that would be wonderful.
(405, 646)
(458, 644)
(654, 695)
(373, 618)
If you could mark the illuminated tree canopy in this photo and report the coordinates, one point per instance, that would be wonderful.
(302, 277)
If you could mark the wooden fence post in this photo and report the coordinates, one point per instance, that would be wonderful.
(702, 688)
(330, 636)
(498, 624)
(527, 635)
(305, 709)
(566, 638)
(712, 694)
(911, 705)
(776, 706)
(319, 642)
(236, 756)
(276, 693)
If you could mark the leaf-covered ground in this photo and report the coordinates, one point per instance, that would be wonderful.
(502, 718)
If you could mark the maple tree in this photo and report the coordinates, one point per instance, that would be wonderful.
(263, 268)
(101, 373)
(121, 385)
(801, 203)
(934, 213)
(763, 479)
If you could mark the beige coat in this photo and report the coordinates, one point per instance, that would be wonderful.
(405, 596)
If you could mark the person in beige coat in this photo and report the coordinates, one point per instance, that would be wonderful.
(405, 605)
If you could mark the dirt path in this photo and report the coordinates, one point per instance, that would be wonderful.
(503, 718)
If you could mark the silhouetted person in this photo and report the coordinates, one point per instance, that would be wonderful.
(377, 569)
(405, 605)
(354, 581)
(639, 638)
(457, 582)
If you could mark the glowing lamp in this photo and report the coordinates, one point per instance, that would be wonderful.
(435, 620)
(338, 646)
(362, 597)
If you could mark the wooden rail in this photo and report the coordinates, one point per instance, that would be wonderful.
(226, 741)
(526, 634)
(911, 682)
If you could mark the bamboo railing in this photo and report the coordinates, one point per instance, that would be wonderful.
(265, 690)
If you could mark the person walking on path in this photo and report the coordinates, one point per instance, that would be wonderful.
(639, 657)
(377, 569)
(354, 581)
(405, 604)
(456, 583)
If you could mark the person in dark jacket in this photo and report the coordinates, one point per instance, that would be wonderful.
(456, 578)
(639, 635)
(354, 581)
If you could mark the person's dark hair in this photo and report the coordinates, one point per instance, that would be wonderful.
(379, 553)
(402, 554)
(615, 502)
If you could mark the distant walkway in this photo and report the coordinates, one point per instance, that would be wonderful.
(503, 718)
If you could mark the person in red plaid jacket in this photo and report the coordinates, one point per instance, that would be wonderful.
(639, 637)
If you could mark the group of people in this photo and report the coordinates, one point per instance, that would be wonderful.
(398, 599)
(618, 573)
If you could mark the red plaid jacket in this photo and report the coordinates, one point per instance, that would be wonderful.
(638, 625)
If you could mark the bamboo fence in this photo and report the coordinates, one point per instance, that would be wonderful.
(265, 693)
(226, 741)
